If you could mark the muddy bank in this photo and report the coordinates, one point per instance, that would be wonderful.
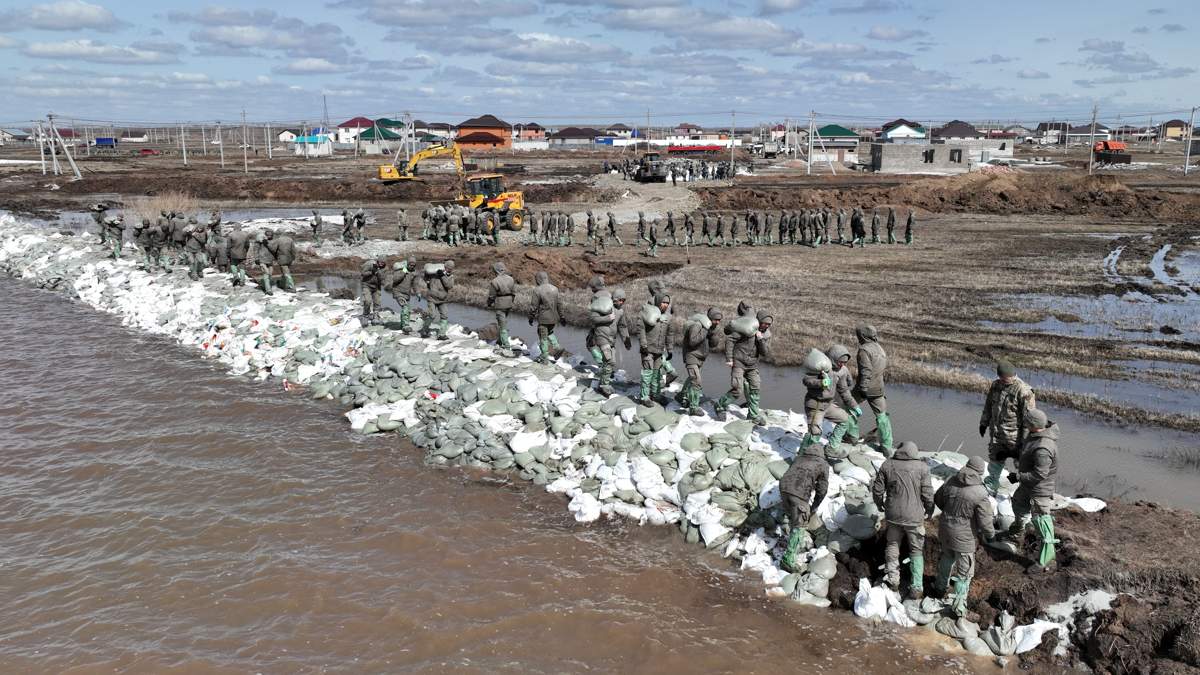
(991, 193)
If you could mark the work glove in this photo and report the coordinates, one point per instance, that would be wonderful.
(1014, 478)
(825, 382)
(856, 412)
(982, 430)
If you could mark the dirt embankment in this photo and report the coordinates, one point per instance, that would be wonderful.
(1140, 551)
(991, 193)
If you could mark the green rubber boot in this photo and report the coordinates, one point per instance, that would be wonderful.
(647, 383)
(597, 355)
(796, 542)
(443, 327)
(838, 433)
(884, 424)
(943, 575)
(289, 284)
(266, 283)
(1045, 526)
(404, 314)
(503, 339)
(756, 416)
(916, 567)
(693, 399)
(556, 350)
(684, 394)
(722, 404)
(992, 482)
(961, 588)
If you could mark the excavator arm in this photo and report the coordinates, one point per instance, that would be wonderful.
(390, 172)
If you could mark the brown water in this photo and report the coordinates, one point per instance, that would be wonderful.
(158, 515)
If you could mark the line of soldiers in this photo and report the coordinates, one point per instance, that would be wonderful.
(455, 224)
(685, 170)
(553, 228)
(354, 226)
(173, 240)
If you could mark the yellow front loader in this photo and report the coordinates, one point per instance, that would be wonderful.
(390, 173)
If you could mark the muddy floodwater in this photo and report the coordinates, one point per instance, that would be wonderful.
(159, 515)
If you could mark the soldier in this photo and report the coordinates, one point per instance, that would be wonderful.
(99, 213)
(453, 226)
(178, 237)
(872, 369)
(858, 232)
(903, 491)
(733, 228)
(531, 236)
(653, 239)
(1003, 420)
(498, 220)
(501, 291)
(671, 228)
(842, 410)
(568, 231)
(591, 229)
(654, 340)
(793, 222)
(546, 313)
(743, 349)
(360, 226)
(803, 488)
(266, 260)
(1036, 472)
(402, 225)
(239, 250)
(826, 216)
(427, 223)
(283, 249)
(371, 278)
(700, 336)
(347, 227)
(218, 251)
(612, 228)
(841, 225)
(404, 287)
(875, 225)
(783, 227)
(891, 225)
(641, 227)
(966, 516)
(194, 245)
(909, 225)
(705, 232)
(438, 282)
(607, 327)
(148, 237)
(115, 226)
(689, 229)
(719, 234)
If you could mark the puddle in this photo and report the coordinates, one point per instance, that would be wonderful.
(1127, 317)
(1102, 459)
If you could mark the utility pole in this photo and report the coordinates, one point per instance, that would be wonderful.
(1092, 140)
(270, 148)
(245, 143)
(812, 117)
(183, 143)
(203, 141)
(66, 150)
(41, 139)
(221, 144)
(732, 133)
(1191, 132)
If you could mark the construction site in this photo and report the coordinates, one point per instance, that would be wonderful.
(1077, 261)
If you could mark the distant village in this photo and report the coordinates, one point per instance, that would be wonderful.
(899, 146)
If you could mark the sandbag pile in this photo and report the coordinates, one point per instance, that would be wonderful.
(467, 404)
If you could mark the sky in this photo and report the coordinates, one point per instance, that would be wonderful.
(561, 62)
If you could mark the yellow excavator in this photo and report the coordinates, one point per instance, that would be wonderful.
(485, 191)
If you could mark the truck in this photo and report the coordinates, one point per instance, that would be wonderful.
(1112, 152)
(651, 168)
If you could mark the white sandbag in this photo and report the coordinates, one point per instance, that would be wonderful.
(1029, 637)
(869, 602)
(1087, 504)
(584, 507)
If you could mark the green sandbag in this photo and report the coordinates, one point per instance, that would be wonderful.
(716, 456)
(817, 362)
(695, 442)
(693, 534)
(541, 453)
(824, 567)
(467, 393)
(668, 473)
(637, 428)
(788, 583)
(449, 451)
(386, 423)
(611, 458)
(590, 486)
(660, 418)
(727, 501)
(740, 430)
(369, 428)
(616, 404)
(601, 305)
(524, 459)
(650, 315)
(858, 526)
(491, 408)
(320, 391)
(730, 478)
(755, 475)
(516, 408)
(778, 468)
(745, 326)
(630, 496)
(734, 518)
(719, 540)
(662, 457)
(502, 464)
(534, 414)
(580, 451)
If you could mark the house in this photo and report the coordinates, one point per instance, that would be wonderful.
(319, 145)
(834, 143)
(956, 130)
(944, 158)
(1173, 130)
(619, 130)
(1019, 133)
(687, 129)
(388, 123)
(531, 131)
(485, 131)
(378, 140)
(13, 136)
(439, 129)
(1050, 133)
(346, 131)
(575, 137)
(288, 135)
(902, 131)
(1082, 134)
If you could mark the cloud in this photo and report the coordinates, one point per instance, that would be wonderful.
(869, 7)
(308, 66)
(1102, 46)
(694, 27)
(9, 43)
(1043, 40)
(772, 7)
(1156, 10)
(994, 59)
(833, 53)
(1141, 30)
(622, 4)
(533, 47)
(1173, 28)
(238, 32)
(62, 15)
(421, 61)
(424, 13)
(1032, 74)
(97, 52)
(893, 34)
